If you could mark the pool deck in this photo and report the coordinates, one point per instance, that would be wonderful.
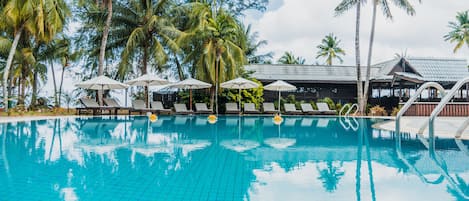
(445, 127)
(29, 118)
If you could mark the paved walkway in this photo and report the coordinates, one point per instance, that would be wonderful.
(28, 118)
(445, 127)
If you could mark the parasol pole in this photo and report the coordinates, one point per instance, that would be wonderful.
(278, 101)
(190, 99)
(239, 107)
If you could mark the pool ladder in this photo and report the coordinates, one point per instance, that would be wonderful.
(350, 109)
(349, 122)
(430, 143)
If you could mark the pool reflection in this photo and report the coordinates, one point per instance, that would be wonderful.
(237, 158)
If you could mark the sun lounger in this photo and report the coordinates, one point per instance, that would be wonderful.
(291, 109)
(180, 108)
(202, 108)
(158, 106)
(269, 108)
(140, 107)
(250, 108)
(112, 102)
(92, 105)
(231, 108)
(323, 108)
(308, 109)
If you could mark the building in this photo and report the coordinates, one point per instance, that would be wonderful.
(391, 81)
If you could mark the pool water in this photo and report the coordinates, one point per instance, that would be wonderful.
(237, 158)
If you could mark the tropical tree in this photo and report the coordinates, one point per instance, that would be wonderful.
(149, 34)
(253, 46)
(213, 46)
(459, 33)
(344, 6)
(104, 4)
(384, 4)
(42, 19)
(289, 58)
(330, 49)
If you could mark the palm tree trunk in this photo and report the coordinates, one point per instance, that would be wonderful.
(102, 49)
(6, 72)
(357, 59)
(22, 93)
(179, 68)
(370, 52)
(56, 100)
(60, 86)
(34, 91)
(144, 71)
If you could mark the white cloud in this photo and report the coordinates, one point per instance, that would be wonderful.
(299, 26)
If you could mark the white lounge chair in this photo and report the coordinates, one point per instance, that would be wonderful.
(308, 109)
(158, 106)
(202, 108)
(180, 108)
(323, 108)
(269, 108)
(140, 107)
(231, 108)
(291, 109)
(92, 105)
(250, 108)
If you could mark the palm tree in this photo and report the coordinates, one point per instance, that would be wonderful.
(214, 49)
(23, 16)
(340, 9)
(459, 31)
(384, 4)
(253, 46)
(147, 33)
(289, 58)
(105, 4)
(330, 49)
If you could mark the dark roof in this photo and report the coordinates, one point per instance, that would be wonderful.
(423, 69)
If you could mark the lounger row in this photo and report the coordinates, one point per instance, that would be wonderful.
(112, 106)
(269, 108)
(138, 106)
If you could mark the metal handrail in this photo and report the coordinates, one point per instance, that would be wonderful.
(350, 109)
(440, 106)
(413, 99)
(343, 108)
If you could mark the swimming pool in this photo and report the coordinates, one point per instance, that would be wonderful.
(237, 158)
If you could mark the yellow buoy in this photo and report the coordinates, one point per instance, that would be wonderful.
(212, 119)
(153, 117)
(277, 119)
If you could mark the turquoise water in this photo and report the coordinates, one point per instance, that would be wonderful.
(237, 158)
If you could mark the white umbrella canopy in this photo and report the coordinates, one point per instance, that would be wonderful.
(279, 86)
(239, 83)
(102, 83)
(190, 84)
(146, 81)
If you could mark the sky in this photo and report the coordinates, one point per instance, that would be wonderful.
(300, 25)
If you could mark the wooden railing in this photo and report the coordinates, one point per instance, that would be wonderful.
(426, 108)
